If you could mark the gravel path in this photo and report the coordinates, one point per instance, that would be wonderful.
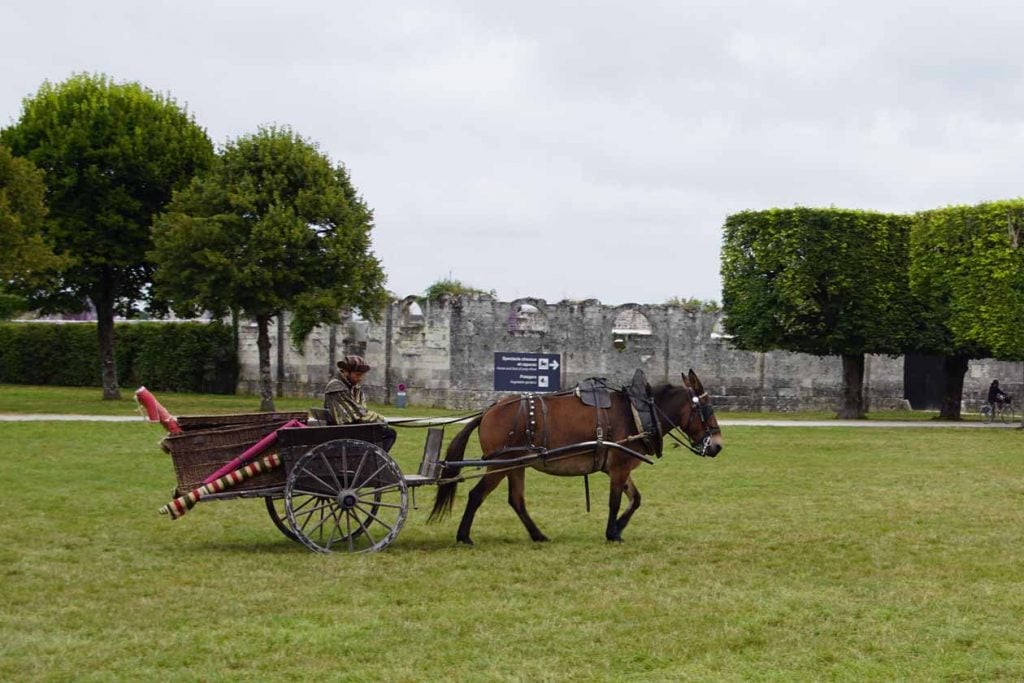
(725, 422)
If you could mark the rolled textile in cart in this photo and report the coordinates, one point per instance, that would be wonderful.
(156, 412)
(252, 451)
(182, 504)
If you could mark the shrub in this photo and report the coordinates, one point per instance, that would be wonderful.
(196, 357)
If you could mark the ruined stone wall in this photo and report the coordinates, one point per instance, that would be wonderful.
(443, 352)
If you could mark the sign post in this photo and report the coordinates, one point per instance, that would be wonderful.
(525, 372)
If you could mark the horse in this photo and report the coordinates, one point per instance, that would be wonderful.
(515, 426)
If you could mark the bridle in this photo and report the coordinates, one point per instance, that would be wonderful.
(703, 411)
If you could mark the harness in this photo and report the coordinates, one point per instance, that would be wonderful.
(528, 414)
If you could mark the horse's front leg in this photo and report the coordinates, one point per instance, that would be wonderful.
(633, 493)
(477, 495)
(517, 499)
(613, 532)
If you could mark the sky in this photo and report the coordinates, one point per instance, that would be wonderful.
(575, 150)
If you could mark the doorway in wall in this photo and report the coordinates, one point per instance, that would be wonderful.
(924, 379)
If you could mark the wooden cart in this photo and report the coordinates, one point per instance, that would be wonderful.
(337, 490)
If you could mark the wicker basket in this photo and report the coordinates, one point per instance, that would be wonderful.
(198, 454)
(191, 423)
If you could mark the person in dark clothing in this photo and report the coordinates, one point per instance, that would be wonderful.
(344, 398)
(996, 397)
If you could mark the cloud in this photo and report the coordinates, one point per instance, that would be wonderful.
(555, 149)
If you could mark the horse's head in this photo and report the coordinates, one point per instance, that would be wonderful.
(692, 413)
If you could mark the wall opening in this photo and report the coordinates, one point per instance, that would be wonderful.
(525, 318)
(412, 314)
(631, 322)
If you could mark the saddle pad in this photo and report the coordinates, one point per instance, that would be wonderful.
(593, 391)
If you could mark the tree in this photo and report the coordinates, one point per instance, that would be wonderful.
(25, 253)
(272, 227)
(967, 276)
(818, 281)
(25, 257)
(988, 277)
(938, 239)
(112, 154)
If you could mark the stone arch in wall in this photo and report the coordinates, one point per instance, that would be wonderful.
(632, 329)
(631, 321)
(411, 313)
(527, 317)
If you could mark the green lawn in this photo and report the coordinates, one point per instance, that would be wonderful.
(798, 554)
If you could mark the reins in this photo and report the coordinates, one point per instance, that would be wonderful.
(536, 454)
(423, 422)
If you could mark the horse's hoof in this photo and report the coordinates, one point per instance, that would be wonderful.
(464, 541)
(541, 539)
(614, 539)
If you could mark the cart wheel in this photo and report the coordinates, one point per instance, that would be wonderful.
(278, 515)
(345, 495)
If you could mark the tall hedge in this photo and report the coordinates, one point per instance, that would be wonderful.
(196, 357)
(819, 281)
(823, 281)
(968, 266)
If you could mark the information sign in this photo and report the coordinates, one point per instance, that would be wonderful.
(525, 372)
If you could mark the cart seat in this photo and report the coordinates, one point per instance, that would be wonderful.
(430, 468)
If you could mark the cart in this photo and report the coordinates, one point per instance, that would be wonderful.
(336, 488)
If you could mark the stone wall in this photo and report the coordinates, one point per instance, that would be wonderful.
(443, 351)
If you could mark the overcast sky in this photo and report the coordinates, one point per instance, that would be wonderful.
(575, 149)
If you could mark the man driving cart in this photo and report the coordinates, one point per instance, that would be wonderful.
(344, 398)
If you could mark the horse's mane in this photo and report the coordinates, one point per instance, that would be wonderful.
(669, 397)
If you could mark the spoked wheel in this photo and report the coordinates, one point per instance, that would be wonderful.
(278, 515)
(346, 495)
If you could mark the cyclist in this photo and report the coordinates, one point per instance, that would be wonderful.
(996, 398)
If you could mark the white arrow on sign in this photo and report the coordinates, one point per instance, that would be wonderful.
(554, 364)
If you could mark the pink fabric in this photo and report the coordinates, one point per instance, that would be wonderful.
(251, 452)
(156, 412)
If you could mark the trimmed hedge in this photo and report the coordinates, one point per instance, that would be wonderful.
(188, 356)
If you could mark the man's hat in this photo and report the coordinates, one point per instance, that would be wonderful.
(353, 364)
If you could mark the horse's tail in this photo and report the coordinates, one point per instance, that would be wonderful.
(446, 492)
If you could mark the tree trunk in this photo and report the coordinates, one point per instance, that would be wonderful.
(108, 366)
(954, 368)
(853, 387)
(263, 345)
(280, 354)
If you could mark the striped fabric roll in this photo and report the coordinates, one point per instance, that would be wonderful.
(179, 506)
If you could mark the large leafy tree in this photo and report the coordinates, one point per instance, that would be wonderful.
(988, 310)
(25, 256)
(272, 227)
(818, 281)
(939, 240)
(112, 154)
(967, 274)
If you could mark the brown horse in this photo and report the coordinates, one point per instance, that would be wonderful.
(543, 433)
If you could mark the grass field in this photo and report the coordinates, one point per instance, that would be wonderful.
(798, 554)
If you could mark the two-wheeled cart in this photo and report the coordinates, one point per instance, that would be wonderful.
(336, 489)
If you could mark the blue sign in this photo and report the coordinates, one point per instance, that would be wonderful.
(525, 372)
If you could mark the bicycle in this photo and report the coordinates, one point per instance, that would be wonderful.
(1003, 411)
